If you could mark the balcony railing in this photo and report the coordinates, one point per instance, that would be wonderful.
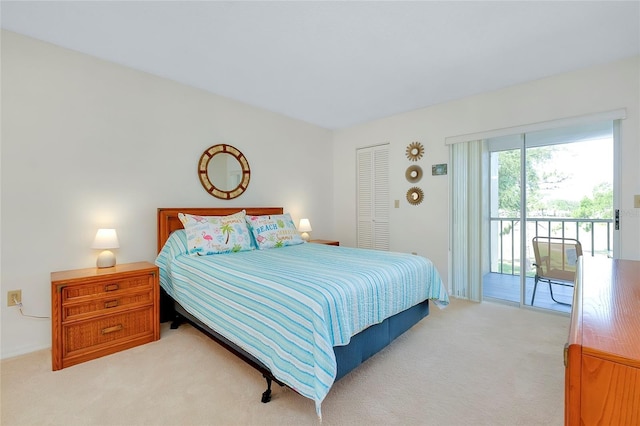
(595, 236)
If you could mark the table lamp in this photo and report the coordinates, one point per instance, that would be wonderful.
(106, 239)
(305, 228)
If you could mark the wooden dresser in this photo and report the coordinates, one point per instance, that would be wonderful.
(602, 356)
(96, 312)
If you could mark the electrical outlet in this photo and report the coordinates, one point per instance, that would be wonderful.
(636, 201)
(14, 296)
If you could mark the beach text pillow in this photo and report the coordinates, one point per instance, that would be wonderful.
(276, 230)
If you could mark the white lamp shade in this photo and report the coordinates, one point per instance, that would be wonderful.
(305, 226)
(106, 239)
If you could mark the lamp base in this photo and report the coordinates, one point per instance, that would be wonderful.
(106, 259)
(305, 236)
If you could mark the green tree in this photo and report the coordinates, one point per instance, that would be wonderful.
(509, 183)
(598, 206)
(563, 205)
(538, 179)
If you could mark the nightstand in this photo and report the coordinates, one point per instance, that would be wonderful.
(99, 311)
(326, 242)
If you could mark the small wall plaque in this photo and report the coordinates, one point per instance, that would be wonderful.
(439, 169)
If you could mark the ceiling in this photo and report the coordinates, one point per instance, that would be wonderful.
(338, 64)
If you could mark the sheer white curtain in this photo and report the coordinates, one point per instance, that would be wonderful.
(469, 201)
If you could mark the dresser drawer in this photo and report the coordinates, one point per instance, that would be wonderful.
(113, 303)
(107, 330)
(100, 288)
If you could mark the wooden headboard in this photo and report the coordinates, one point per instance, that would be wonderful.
(168, 217)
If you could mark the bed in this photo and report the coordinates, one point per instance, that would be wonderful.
(303, 315)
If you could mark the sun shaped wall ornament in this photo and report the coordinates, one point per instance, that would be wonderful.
(415, 151)
(415, 195)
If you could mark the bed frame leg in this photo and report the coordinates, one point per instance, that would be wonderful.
(266, 395)
(176, 322)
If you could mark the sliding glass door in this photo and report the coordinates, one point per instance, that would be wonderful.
(567, 193)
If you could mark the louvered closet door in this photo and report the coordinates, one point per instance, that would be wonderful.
(373, 197)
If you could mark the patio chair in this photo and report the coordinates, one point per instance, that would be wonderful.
(556, 260)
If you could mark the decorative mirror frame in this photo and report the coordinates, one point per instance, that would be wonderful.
(203, 167)
(415, 195)
(415, 151)
(413, 174)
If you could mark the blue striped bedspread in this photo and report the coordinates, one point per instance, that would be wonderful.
(289, 306)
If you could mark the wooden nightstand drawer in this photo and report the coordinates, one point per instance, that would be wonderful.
(106, 305)
(106, 287)
(107, 330)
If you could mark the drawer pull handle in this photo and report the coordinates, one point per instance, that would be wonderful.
(566, 355)
(111, 287)
(110, 304)
(112, 329)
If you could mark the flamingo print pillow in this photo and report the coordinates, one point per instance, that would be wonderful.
(208, 235)
(276, 230)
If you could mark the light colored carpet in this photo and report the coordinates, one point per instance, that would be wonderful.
(468, 364)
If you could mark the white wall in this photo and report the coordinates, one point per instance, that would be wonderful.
(424, 228)
(89, 144)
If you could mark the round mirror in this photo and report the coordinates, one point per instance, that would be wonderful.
(415, 195)
(413, 174)
(224, 171)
